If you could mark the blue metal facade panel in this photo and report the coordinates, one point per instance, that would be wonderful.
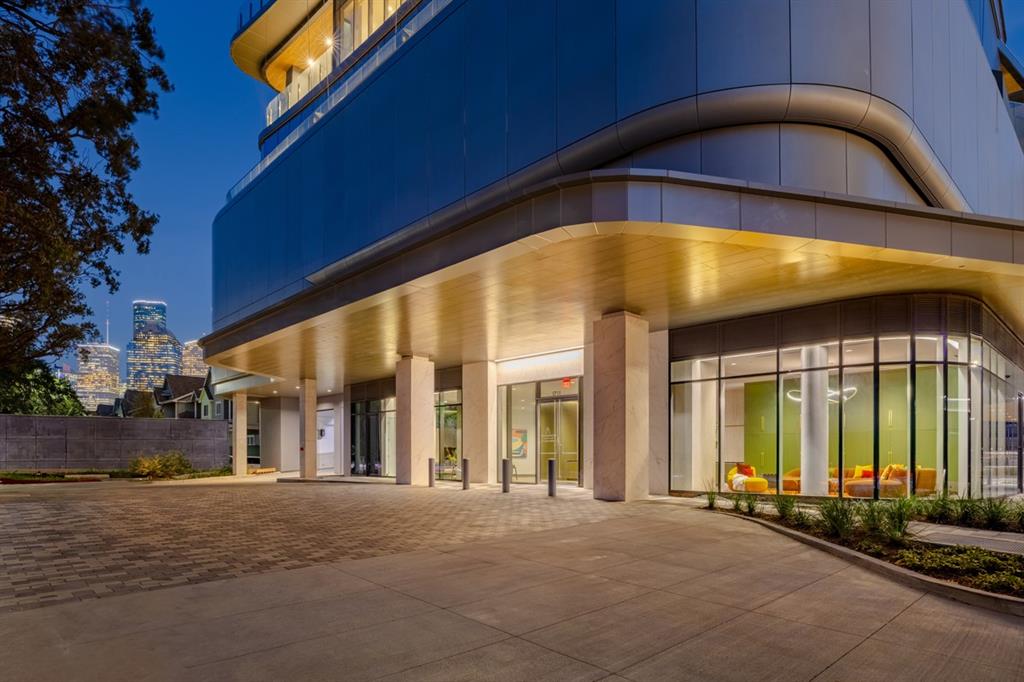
(650, 36)
(491, 87)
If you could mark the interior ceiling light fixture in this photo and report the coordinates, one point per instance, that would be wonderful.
(833, 394)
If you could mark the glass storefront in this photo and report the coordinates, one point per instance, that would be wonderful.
(448, 420)
(373, 437)
(872, 416)
(540, 421)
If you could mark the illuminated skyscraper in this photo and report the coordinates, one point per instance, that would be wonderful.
(148, 312)
(98, 379)
(192, 364)
(153, 351)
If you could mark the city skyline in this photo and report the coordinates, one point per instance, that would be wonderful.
(190, 355)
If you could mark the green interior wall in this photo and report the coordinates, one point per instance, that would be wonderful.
(894, 441)
(759, 427)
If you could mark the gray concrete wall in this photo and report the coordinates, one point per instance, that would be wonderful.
(28, 442)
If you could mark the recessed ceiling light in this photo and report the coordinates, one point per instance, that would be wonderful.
(298, 388)
(275, 392)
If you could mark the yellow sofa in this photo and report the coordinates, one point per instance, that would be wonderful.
(752, 484)
(892, 482)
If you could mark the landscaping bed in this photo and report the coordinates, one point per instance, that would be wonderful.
(879, 529)
(23, 478)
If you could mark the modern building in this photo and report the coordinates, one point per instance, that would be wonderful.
(154, 351)
(760, 245)
(98, 378)
(192, 363)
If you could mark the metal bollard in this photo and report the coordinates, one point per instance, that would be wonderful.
(551, 478)
(465, 474)
(506, 475)
(430, 472)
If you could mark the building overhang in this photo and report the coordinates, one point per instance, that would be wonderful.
(270, 33)
(530, 275)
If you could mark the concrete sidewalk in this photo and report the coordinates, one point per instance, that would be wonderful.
(941, 534)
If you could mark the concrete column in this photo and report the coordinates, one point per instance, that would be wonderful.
(307, 428)
(414, 421)
(480, 420)
(588, 416)
(346, 434)
(659, 413)
(621, 407)
(239, 427)
(814, 422)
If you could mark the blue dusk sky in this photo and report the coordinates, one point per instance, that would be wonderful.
(203, 141)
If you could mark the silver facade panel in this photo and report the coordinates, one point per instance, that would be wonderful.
(892, 54)
(813, 157)
(744, 152)
(741, 43)
(831, 43)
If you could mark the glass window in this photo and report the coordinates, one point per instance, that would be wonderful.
(956, 348)
(893, 348)
(810, 357)
(928, 347)
(452, 397)
(448, 460)
(522, 432)
(893, 431)
(696, 369)
(929, 435)
(858, 400)
(810, 432)
(958, 407)
(858, 351)
(749, 434)
(743, 364)
(694, 443)
(976, 350)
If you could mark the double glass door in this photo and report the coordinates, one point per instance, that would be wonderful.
(558, 421)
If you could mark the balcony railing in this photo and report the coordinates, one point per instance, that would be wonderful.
(249, 10)
(344, 86)
(342, 45)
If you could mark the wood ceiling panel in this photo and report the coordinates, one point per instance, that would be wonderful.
(545, 299)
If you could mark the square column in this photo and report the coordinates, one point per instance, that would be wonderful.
(307, 428)
(414, 421)
(480, 420)
(659, 413)
(621, 407)
(588, 416)
(239, 435)
(346, 434)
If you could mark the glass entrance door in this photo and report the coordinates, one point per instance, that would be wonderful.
(559, 425)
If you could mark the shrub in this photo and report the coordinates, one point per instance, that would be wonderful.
(965, 511)
(163, 465)
(711, 491)
(749, 503)
(801, 519)
(837, 518)
(971, 566)
(872, 516)
(784, 505)
(897, 515)
(1018, 514)
(994, 512)
(737, 501)
(939, 509)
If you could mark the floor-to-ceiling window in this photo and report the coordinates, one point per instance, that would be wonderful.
(539, 421)
(868, 415)
(373, 437)
(448, 422)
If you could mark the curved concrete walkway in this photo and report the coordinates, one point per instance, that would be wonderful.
(476, 585)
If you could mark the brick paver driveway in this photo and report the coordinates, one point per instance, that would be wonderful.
(419, 584)
(67, 542)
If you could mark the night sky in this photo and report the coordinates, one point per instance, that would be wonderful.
(202, 143)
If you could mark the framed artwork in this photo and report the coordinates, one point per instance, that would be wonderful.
(519, 441)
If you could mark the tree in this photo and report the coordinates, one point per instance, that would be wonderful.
(74, 77)
(37, 391)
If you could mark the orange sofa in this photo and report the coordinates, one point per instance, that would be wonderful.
(892, 482)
